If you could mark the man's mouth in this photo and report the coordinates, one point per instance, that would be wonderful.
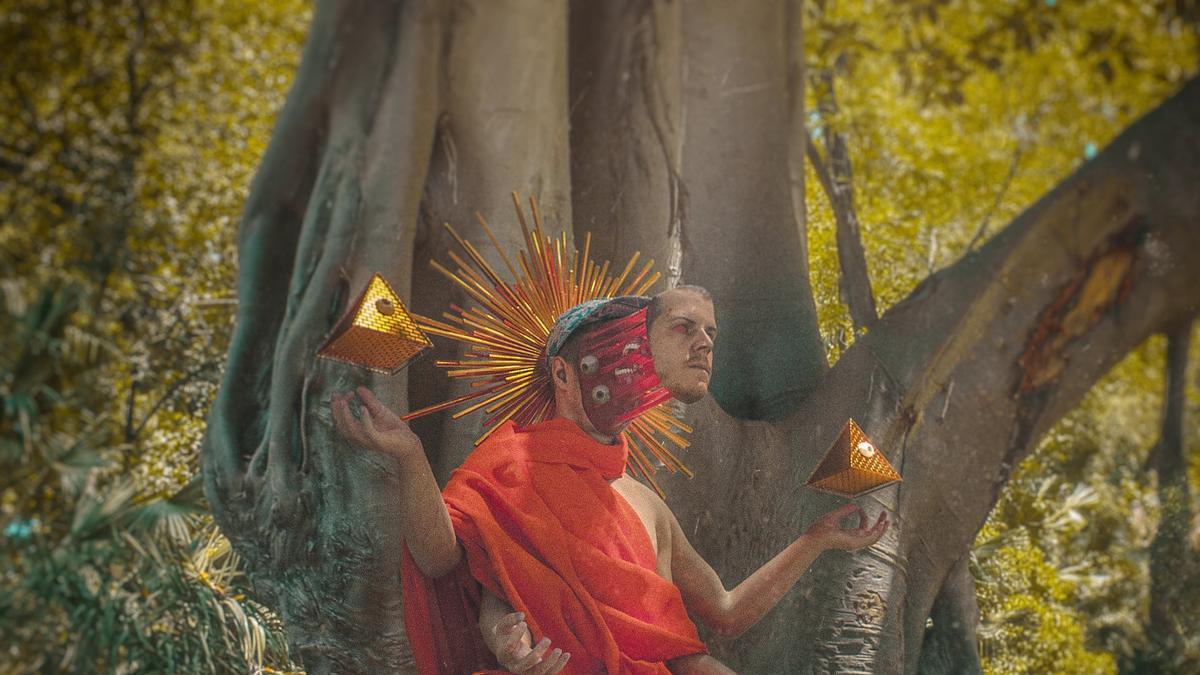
(701, 366)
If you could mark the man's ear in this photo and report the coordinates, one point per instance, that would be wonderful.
(558, 369)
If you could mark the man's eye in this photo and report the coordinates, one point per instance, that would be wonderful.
(682, 328)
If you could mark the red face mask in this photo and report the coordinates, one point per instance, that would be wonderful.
(616, 373)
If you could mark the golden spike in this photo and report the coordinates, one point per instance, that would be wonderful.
(660, 413)
(443, 405)
(646, 435)
(644, 467)
(496, 244)
(506, 329)
(646, 268)
(641, 290)
(587, 247)
(501, 401)
(504, 391)
(624, 273)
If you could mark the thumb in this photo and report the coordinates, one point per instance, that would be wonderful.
(842, 512)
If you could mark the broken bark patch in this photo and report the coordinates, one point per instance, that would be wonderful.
(1103, 283)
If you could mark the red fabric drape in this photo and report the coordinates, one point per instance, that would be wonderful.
(542, 528)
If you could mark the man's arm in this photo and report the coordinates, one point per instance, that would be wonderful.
(698, 664)
(732, 612)
(423, 518)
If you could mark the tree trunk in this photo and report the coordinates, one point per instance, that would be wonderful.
(407, 114)
(1173, 568)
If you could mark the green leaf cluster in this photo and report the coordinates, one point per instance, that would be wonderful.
(134, 128)
(1073, 531)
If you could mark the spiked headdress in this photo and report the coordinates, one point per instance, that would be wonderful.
(510, 328)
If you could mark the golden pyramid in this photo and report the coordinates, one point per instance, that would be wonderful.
(377, 333)
(852, 466)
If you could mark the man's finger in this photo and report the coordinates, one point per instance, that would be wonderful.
(367, 426)
(844, 510)
(508, 622)
(551, 664)
(511, 647)
(338, 406)
(881, 525)
(864, 520)
(533, 657)
(562, 662)
(347, 424)
(372, 404)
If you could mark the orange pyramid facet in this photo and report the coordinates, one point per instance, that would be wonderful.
(852, 466)
(377, 333)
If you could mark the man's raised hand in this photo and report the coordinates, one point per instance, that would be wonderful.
(830, 533)
(515, 654)
(378, 428)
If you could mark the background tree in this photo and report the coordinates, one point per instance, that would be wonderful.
(407, 115)
(948, 119)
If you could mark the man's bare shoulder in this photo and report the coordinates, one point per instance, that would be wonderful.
(655, 516)
(643, 498)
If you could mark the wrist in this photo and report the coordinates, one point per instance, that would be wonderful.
(814, 541)
(409, 460)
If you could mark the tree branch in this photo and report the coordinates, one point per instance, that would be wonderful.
(1172, 561)
(854, 282)
(819, 166)
(175, 386)
(769, 354)
(981, 229)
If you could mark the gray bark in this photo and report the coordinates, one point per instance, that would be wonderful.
(404, 115)
(1174, 564)
(950, 635)
(956, 383)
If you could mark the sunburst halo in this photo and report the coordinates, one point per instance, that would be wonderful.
(507, 332)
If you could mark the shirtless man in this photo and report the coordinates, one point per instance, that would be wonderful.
(682, 327)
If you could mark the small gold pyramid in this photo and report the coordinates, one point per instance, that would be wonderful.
(852, 466)
(377, 333)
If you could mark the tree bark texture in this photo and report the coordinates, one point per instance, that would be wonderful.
(1173, 569)
(670, 128)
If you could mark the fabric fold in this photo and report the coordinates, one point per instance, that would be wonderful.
(541, 527)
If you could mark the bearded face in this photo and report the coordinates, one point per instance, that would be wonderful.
(681, 338)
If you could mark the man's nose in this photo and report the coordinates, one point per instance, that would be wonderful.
(704, 343)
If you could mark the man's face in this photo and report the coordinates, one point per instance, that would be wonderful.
(681, 339)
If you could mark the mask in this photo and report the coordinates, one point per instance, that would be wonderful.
(616, 373)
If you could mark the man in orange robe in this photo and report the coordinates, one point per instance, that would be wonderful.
(547, 522)
(542, 528)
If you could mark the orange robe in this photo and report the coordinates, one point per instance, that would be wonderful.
(543, 529)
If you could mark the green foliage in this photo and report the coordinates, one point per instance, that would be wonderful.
(102, 575)
(1073, 531)
(1034, 629)
(135, 588)
(960, 114)
(134, 127)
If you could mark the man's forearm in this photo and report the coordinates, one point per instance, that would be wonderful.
(697, 664)
(750, 600)
(424, 520)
